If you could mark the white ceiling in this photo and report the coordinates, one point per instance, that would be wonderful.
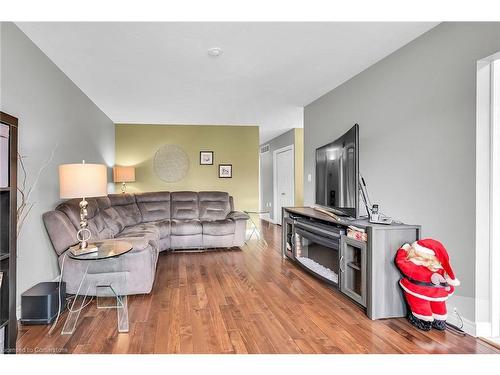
(160, 73)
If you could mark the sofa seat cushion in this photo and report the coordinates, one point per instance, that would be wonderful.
(147, 231)
(142, 228)
(163, 226)
(185, 227)
(218, 227)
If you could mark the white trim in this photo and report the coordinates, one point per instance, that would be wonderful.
(483, 329)
(487, 282)
(495, 199)
(469, 326)
(276, 214)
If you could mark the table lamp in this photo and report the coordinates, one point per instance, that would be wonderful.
(82, 181)
(123, 175)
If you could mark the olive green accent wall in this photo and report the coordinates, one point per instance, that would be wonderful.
(136, 145)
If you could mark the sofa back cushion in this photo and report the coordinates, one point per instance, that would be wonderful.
(111, 218)
(95, 221)
(214, 205)
(154, 206)
(184, 205)
(126, 208)
(62, 232)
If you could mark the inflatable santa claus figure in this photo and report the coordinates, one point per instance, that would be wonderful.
(428, 280)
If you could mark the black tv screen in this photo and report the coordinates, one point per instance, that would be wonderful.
(337, 169)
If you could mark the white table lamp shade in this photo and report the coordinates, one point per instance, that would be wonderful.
(82, 180)
(123, 174)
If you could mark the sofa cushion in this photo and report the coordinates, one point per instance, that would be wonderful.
(154, 206)
(214, 205)
(147, 231)
(125, 206)
(146, 227)
(185, 227)
(163, 226)
(71, 208)
(184, 205)
(113, 220)
(61, 231)
(236, 215)
(103, 203)
(99, 229)
(95, 221)
(218, 227)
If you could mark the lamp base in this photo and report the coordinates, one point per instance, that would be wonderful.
(76, 250)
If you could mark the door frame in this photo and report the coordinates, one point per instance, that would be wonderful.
(487, 293)
(275, 180)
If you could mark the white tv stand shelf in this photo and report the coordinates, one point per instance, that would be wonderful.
(379, 291)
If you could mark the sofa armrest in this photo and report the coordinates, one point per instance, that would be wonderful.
(237, 215)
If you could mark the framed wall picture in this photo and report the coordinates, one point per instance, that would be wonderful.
(206, 157)
(225, 170)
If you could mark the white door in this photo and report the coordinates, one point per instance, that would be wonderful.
(284, 183)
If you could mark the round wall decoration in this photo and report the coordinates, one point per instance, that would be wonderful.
(171, 163)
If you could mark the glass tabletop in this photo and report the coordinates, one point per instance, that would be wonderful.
(107, 249)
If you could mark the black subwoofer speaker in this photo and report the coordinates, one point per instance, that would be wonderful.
(40, 304)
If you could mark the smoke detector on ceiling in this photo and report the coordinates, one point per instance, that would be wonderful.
(215, 51)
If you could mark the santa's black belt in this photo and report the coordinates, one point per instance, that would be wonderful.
(423, 283)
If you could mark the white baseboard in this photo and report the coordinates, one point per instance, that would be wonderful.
(483, 329)
(469, 326)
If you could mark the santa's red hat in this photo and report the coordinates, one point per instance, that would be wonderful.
(433, 247)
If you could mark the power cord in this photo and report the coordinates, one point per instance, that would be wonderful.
(456, 329)
(66, 304)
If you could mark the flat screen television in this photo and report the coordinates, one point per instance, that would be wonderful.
(337, 170)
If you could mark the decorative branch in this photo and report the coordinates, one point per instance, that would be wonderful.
(25, 205)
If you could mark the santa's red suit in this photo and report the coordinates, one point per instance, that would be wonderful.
(425, 290)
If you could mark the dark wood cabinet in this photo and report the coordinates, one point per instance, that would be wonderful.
(8, 231)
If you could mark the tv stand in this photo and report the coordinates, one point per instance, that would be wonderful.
(366, 270)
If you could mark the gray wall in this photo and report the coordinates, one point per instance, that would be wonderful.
(266, 170)
(416, 110)
(52, 111)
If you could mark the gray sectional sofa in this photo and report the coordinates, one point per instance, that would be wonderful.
(152, 222)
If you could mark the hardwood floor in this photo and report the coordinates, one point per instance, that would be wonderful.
(241, 301)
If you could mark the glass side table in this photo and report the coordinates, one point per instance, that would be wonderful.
(109, 261)
(255, 228)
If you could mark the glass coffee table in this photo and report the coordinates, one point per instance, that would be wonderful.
(107, 260)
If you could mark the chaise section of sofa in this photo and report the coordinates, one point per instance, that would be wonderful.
(152, 222)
